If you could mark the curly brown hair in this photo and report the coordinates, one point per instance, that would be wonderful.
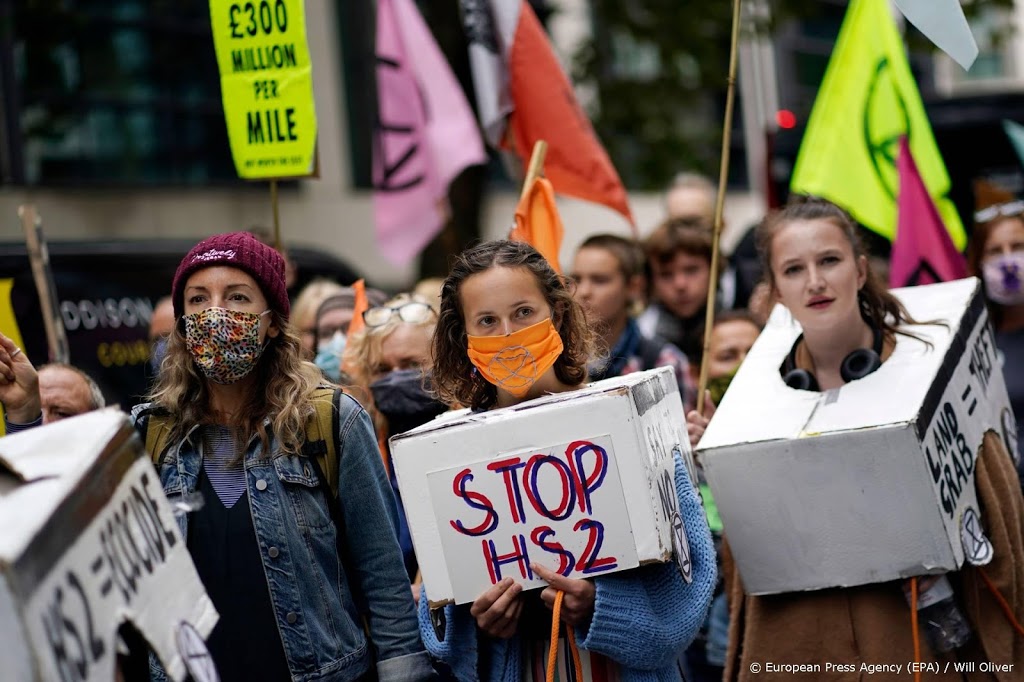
(455, 378)
(284, 387)
(878, 306)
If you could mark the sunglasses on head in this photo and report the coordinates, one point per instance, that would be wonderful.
(1010, 209)
(414, 312)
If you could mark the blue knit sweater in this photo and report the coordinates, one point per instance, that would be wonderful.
(643, 618)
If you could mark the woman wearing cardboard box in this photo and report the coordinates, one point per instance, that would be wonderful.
(816, 267)
(303, 566)
(628, 626)
(996, 254)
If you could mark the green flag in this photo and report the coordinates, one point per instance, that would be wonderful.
(867, 101)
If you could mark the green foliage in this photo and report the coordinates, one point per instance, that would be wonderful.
(657, 70)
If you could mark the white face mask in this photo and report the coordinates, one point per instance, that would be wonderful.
(1004, 278)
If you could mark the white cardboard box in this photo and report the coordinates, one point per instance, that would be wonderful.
(87, 542)
(870, 482)
(581, 482)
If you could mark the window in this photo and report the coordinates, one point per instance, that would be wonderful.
(98, 92)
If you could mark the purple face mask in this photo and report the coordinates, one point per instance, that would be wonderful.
(1004, 278)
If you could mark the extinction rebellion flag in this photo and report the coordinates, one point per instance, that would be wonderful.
(868, 100)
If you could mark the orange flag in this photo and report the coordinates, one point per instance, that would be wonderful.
(538, 223)
(523, 95)
(361, 306)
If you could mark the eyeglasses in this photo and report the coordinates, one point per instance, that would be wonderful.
(414, 312)
(1010, 209)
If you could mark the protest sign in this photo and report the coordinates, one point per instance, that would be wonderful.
(581, 482)
(870, 482)
(266, 81)
(88, 542)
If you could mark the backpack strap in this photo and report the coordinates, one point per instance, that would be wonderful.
(321, 433)
(158, 433)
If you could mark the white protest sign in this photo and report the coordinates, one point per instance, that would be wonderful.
(560, 506)
(128, 560)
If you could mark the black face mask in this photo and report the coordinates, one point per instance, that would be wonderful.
(402, 398)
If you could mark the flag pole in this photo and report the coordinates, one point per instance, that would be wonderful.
(723, 174)
(277, 215)
(533, 171)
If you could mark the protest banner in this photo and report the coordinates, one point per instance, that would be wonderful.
(89, 543)
(581, 482)
(861, 484)
(266, 81)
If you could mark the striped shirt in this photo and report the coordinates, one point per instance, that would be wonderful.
(227, 478)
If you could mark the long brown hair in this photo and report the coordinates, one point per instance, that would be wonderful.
(878, 306)
(455, 378)
(976, 254)
(284, 385)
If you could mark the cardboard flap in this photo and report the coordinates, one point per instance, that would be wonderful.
(760, 407)
(60, 449)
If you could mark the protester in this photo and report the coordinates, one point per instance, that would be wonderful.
(732, 336)
(390, 360)
(608, 271)
(817, 268)
(31, 398)
(996, 254)
(160, 326)
(332, 321)
(679, 258)
(304, 311)
(301, 578)
(636, 621)
(430, 289)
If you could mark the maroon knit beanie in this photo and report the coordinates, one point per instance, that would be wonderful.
(240, 250)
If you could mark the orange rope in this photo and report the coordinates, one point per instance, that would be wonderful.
(913, 628)
(556, 620)
(1007, 610)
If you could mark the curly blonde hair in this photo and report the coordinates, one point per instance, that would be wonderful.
(285, 385)
(363, 351)
(455, 380)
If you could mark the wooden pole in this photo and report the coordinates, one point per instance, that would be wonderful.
(536, 167)
(277, 216)
(723, 176)
(42, 274)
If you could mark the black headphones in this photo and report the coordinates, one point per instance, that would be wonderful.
(856, 365)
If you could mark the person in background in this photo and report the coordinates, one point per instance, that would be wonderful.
(732, 336)
(608, 272)
(996, 255)
(307, 577)
(430, 289)
(304, 311)
(390, 361)
(679, 259)
(160, 326)
(332, 321)
(691, 199)
(32, 398)
(818, 269)
(502, 295)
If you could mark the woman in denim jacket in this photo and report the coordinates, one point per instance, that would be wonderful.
(237, 397)
(629, 626)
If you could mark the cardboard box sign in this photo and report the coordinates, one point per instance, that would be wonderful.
(581, 482)
(88, 542)
(870, 482)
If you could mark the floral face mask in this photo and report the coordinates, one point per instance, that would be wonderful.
(225, 344)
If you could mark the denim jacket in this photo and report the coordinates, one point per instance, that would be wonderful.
(320, 624)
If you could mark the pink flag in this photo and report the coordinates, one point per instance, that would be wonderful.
(923, 252)
(426, 133)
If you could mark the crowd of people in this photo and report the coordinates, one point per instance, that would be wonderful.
(279, 413)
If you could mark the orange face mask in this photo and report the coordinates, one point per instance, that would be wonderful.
(515, 361)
